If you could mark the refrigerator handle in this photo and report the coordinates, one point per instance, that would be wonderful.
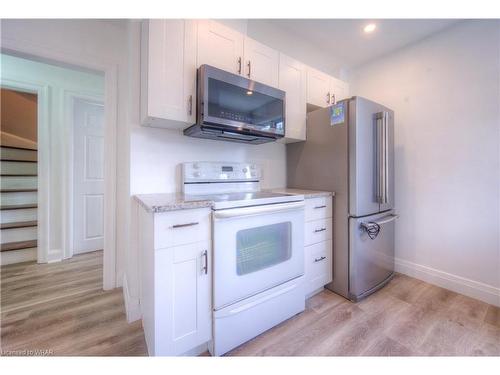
(386, 157)
(379, 117)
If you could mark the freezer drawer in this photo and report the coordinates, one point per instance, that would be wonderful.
(371, 261)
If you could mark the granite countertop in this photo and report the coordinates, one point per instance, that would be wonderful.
(306, 193)
(176, 201)
(169, 202)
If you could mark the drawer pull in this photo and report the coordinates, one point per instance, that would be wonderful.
(323, 206)
(319, 230)
(319, 259)
(184, 225)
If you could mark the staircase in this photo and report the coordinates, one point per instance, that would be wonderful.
(18, 204)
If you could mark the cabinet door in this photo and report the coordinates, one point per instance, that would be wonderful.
(338, 89)
(168, 73)
(220, 46)
(318, 88)
(183, 293)
(261, 63)
(292, 80)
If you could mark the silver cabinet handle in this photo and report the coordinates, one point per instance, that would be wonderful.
(205, 267)
(184, 225)
(249, 68)
(190, 105)
(239, 65)
(319, 230)
(320, 259)
(333, 99)
(328, 98)
(323, 206)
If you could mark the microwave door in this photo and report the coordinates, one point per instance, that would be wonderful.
(238, 104)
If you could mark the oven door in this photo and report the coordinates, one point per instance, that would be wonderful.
(256, 248)
(237, 104)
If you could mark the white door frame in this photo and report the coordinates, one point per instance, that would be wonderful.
(27, 49)
(43, 159)
(69, 101)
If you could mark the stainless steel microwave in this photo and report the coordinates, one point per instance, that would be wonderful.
(234, 108)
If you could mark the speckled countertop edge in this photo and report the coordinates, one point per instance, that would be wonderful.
(166, 202)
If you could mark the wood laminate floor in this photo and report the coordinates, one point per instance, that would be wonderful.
(406, 318)
(61, 307)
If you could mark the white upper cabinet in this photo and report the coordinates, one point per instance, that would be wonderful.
(220, 46)
(261, 63)
(168, 73)
(339, 90)
(292, 80)
(318, 88)
(324, 90)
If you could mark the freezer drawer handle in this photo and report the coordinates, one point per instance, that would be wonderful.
(319, 230)
(320, 259)
(323, 206)
(372, 228)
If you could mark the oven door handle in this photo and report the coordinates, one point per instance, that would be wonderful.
(258, 210)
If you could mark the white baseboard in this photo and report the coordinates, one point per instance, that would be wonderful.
(132, 305)
(483, 292)
(18, 256)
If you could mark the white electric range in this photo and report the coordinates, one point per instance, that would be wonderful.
(258, 250)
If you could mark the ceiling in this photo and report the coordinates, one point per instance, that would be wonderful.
(347, 40)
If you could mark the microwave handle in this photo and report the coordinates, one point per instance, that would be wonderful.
(257, 210)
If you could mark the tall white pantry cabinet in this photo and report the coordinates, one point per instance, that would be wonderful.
(172, 50)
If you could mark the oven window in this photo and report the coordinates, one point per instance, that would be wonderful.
(262, 247)
(241, 105)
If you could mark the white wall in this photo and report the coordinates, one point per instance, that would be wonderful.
(60, 81)
(295, 46)
(445, 94)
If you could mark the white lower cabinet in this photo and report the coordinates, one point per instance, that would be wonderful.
(176, 282)
(183, 308)
(318, 244)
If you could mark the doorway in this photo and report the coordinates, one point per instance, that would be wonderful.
(74, 167)
(19, 173)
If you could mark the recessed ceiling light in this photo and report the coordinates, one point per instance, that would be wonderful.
(249, 92)
(370, 28)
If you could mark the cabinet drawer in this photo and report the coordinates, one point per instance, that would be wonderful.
(182, 227)
(318, 208)
(318, 231)
(318, 265)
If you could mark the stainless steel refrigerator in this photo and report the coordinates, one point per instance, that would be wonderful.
(350, 150)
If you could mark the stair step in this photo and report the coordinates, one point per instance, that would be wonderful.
(19, 148)
(19, 224)
(18, 245)
(17, 190)
(17, 206)
(18, 175)
(13, 154)
(11, 216)
(20, 182)
(10, 167)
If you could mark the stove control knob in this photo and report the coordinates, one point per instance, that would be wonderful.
(196, 174)
(245, 170)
